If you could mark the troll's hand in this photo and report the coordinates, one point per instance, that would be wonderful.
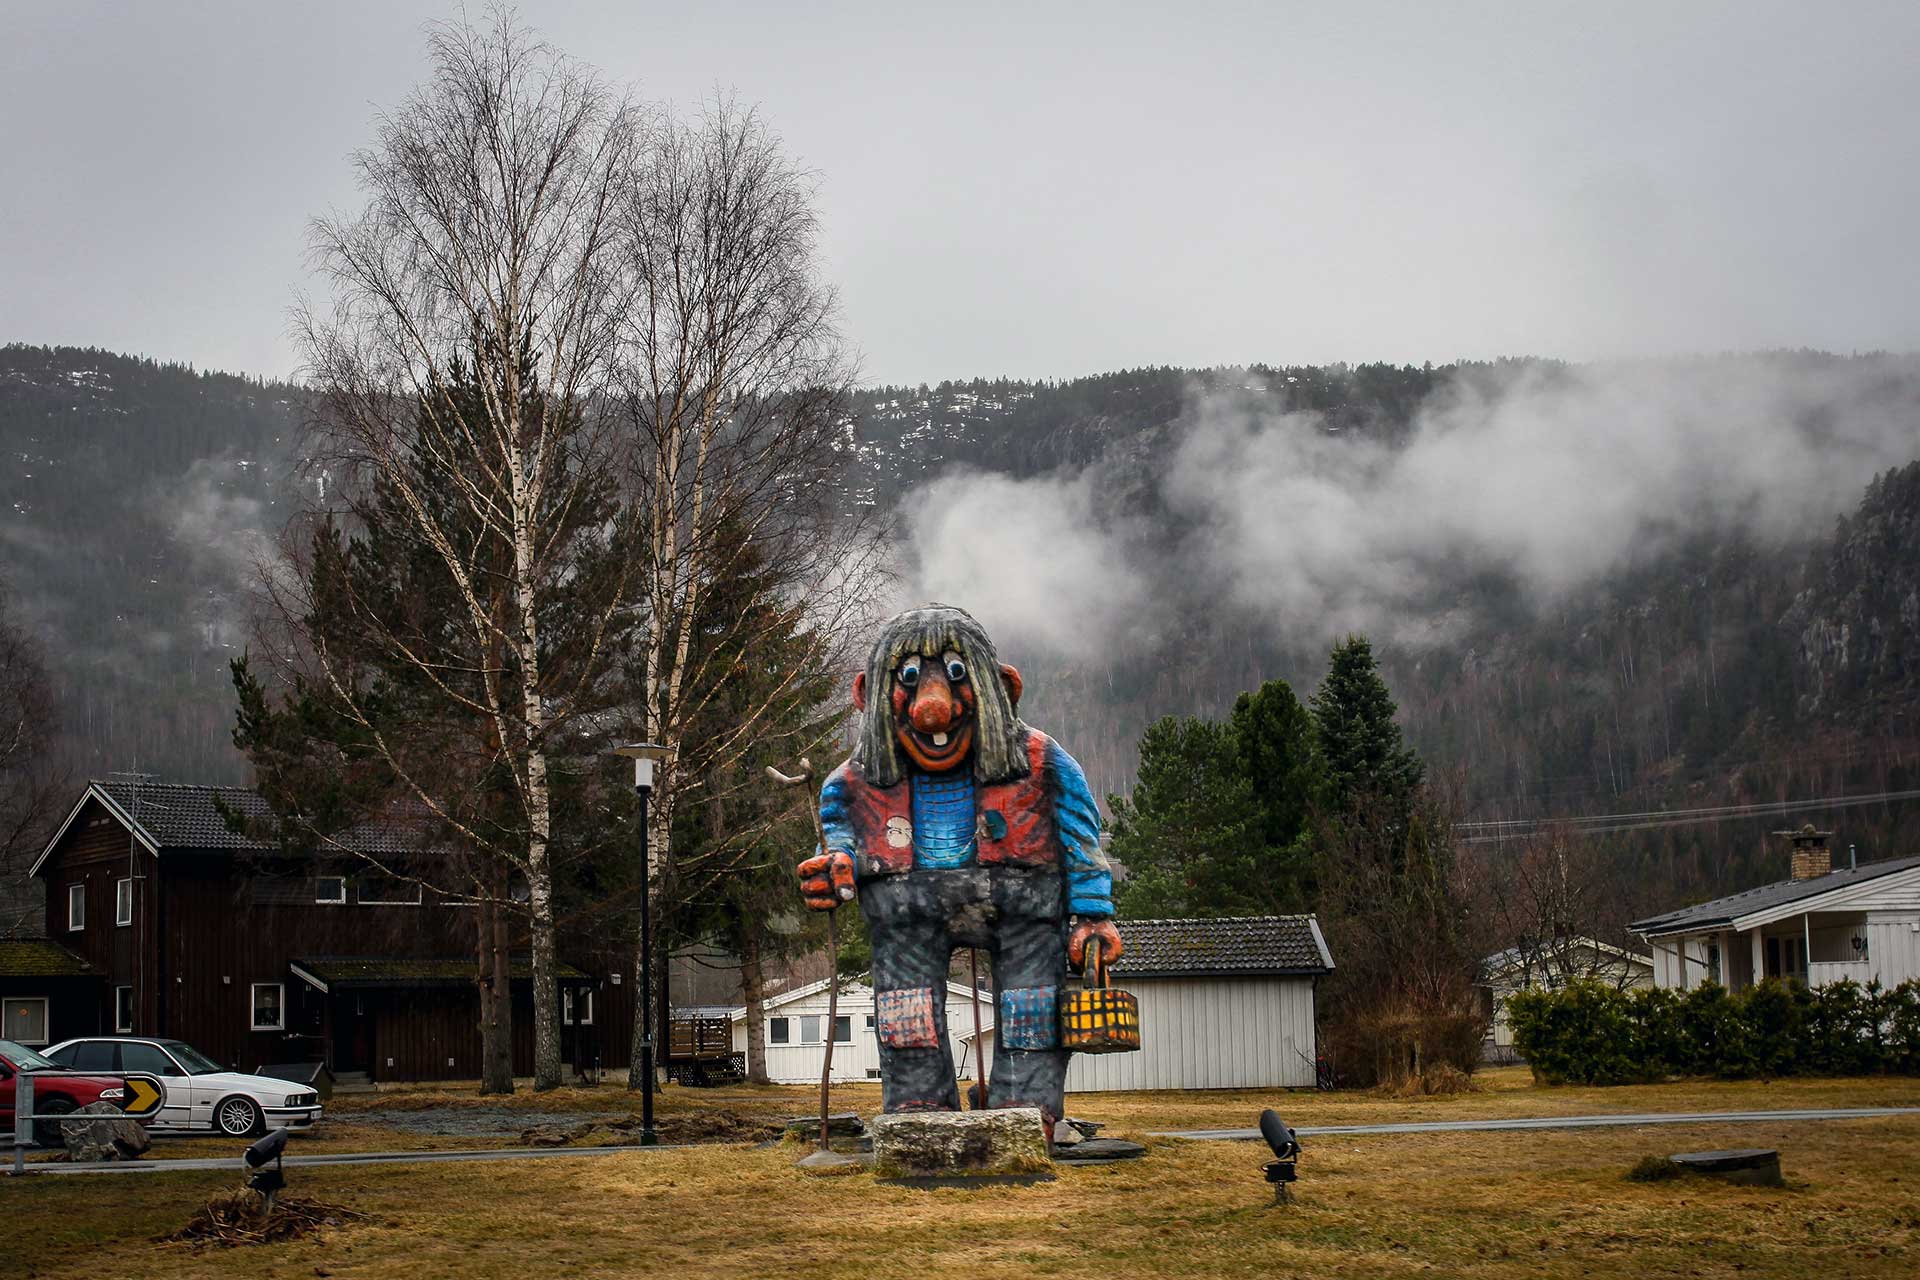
(1102, 934)
(826, 880)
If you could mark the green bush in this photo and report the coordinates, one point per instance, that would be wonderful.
(1590, 1033)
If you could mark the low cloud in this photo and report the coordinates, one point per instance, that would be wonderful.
(1550, 478)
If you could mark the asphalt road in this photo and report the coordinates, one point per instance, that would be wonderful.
(1558, 1122)
(1230, 1135)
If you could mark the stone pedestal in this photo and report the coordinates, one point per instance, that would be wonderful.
(962, 1146)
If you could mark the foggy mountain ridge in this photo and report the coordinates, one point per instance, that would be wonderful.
(1593, 587)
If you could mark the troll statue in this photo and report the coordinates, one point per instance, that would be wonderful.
(958, 826)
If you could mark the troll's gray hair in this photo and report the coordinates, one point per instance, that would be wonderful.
(999, 738)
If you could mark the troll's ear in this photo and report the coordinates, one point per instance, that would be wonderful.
(1011, 675)
(860, 691)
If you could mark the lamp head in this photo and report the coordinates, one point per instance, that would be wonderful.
(267, 1148)
(644, 755)
(1285, 1145)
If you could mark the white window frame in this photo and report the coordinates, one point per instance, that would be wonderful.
(414, 901)
(77, 897)
(340, 901)
(786, 1031)
(123, 1003)
(46, 1020)
(809, 1022)
(253, 1006)
(577, 999)
(123, 902)
(837, 1037)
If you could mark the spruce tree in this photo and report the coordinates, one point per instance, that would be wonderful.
(1367, 763)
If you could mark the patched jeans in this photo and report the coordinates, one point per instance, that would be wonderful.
(917, 920)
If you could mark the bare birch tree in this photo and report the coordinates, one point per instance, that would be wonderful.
(734, 382)
(486, 258)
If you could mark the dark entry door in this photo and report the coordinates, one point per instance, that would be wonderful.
(352, 1033)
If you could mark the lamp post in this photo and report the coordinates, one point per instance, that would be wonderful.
(644, 755)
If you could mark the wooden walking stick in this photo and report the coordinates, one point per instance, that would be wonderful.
(979, 1041)
(833, 946)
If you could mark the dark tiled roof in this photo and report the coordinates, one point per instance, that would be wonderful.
(181, 815)
(426, 971)
(1252, 945)
(1723, 911)
(41, 959)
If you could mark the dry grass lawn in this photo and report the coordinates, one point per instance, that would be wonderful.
(1485, 1204)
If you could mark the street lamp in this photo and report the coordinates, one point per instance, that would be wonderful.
(644, 755)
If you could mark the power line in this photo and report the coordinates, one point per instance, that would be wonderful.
(1602, 823)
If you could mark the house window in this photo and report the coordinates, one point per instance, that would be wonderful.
(123, 1009)
(76, 907)
(810, 1029)
(777, 1031)
(123, 902)
(331, 890)
(269, 1013)
(23, 1020)
(388, 891)
(576, 1007)
(870, 1022)
(843, 1030)
(1713, 962)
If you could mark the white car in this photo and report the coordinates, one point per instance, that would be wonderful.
(201, 1095)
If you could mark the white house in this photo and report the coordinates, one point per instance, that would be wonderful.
(1224, 1004)
(796, 1023)
(1818, 926)
(1550, 964)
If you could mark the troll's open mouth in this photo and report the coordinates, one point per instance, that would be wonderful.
(937, 747)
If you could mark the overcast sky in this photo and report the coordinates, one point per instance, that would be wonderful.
(1050, 190)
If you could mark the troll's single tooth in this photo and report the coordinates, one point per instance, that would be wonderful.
(939, 739)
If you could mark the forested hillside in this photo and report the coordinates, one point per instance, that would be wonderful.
(134, 500)
(1735, 624)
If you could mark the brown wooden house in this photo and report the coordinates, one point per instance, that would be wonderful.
(255, 956)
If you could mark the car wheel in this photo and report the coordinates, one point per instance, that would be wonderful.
(48, 1132)
(238, 1118)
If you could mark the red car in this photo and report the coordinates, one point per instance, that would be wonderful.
(56, 1095)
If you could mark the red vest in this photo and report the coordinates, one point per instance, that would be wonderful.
(1014, 826)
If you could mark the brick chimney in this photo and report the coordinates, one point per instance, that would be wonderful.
(1811, 857)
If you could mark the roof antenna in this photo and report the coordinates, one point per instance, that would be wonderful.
(1853, 862)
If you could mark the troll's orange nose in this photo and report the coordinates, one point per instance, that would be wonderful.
(934, 709)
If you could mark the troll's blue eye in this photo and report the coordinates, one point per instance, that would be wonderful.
(956, 671)
(909, 673)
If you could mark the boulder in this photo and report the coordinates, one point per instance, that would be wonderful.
(961, 1145)
(1066, 1134)
(1099, 1149)
(98, 1131)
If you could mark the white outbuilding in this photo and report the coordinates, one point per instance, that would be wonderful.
(1224, 1004)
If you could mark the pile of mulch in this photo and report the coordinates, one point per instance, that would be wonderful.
(719, 1125)
(238, 1217)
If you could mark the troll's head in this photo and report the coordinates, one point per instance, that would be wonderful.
(934, 694)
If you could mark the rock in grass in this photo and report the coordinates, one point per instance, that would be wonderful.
(961, 1144)
(98, 1131)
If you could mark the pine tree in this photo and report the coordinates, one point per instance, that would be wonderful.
(1367, 763)
(1279, 753)
(1190, 836)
